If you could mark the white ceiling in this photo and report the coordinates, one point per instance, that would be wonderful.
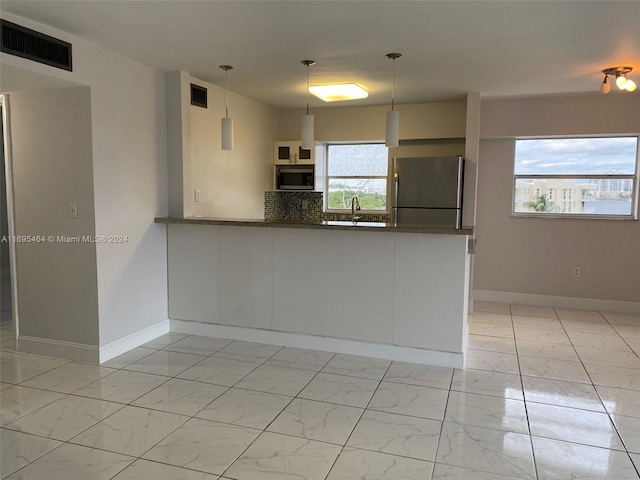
(499, 48)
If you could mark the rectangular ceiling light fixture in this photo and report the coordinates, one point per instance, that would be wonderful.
(338, 91)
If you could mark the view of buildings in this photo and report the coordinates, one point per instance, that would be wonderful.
(602, 196)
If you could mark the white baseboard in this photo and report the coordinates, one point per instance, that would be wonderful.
(55, 348)
(315, 342)
(560, 302)
(124, 344)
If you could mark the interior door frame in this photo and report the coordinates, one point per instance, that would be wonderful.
(8, 168)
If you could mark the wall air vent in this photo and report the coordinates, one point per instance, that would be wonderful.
(198, 96)
(36, 46)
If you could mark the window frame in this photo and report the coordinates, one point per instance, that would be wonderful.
(634, 177)
(327, 177)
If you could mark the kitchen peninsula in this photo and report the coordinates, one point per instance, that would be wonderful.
(371, 289)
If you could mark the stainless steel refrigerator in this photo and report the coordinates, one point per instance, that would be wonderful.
(428, 191)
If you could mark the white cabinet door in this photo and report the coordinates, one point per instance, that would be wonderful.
(193, 273)
(292, 153)
(244, 276)
(430, 291)
(301, 280)
(362, 286)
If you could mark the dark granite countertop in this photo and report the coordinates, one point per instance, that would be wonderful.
(326, 225)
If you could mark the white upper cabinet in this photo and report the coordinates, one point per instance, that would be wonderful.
(292, 153)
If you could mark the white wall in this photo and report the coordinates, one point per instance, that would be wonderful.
(178, 97)
(536, 255)
(52, 166)
(231, 182)
(128, 124)
(4, 228)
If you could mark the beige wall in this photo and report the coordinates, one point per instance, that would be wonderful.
(231, 182)
(426, 130)
(52, 166)
(417, 121)
(536, 255)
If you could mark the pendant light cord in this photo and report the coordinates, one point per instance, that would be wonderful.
(307, 89)
(308, 63)
(393, 82)
(226, 76)
(226, 69)
(392, 57)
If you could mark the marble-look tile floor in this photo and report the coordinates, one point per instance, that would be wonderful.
(545, 394)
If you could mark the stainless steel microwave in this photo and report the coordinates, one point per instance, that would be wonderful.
(295, 177)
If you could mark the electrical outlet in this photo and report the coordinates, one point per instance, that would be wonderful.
(305, 204)
(196, 195)
(73, 210)
(576, 271)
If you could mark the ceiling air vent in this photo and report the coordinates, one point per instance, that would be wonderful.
(198, 96)
(36, 46)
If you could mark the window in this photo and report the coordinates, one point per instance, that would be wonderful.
(357, 169)
(576, 177)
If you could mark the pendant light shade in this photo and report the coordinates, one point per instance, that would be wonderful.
(226, 131)
(307, 120)
(307, 131)
(392, 137)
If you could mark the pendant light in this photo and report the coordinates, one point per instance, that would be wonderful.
(227, 123)
(307, 120)
(392, 137)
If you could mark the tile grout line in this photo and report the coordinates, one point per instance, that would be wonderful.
(593, 385)
(264, 430)
(355, 425)
(526, 407)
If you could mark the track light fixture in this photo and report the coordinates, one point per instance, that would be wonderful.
(622, 82)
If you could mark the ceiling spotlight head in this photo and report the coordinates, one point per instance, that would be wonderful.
(630, 86)
(621, 81)
(606, 86)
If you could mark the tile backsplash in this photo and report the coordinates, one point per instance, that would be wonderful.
(288, 206)
(284, 206)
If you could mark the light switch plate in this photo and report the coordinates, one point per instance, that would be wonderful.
(73, 210)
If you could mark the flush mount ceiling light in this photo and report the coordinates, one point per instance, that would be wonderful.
(337, 92)
(227, 123)
(307, 120)
(622, 81)
(392, 137)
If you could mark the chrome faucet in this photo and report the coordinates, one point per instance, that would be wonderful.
(355, 205)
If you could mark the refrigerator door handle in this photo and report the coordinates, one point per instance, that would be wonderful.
(396, 183)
